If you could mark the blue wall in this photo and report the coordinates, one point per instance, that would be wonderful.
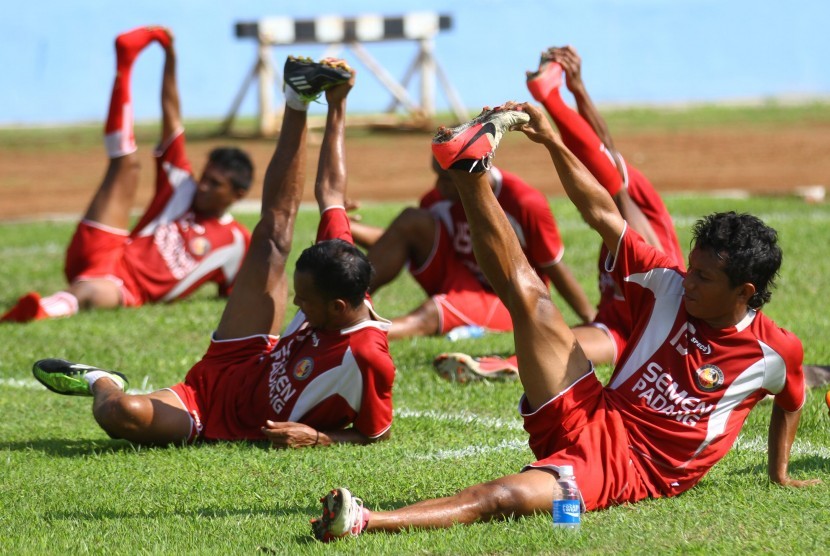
(57, 58)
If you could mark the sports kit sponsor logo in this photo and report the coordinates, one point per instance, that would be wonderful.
(709, 378)
(486, 128)
(661, 393)
(303, 368)
(299, 82)
(200, 246)
(171, 246)
(684, 337)
(280, 388)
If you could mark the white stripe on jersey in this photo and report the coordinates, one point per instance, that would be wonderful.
(768, 372)
(184, 189)
(344, 380)
(216, 259)
(660, 322)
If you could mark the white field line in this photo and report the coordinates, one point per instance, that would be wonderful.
(32, 250)
(32, 384)
(463, 417)
(756, 444)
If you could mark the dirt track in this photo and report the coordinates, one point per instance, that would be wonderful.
(394, 165)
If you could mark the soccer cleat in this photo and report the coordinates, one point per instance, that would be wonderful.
(460, 367)
(26, 309)
(343, 516)
(471, 146)
(309, 79)
(546, 79)
(67, 378)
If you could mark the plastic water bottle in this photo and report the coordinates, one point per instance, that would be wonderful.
(566, 510)
(465, 332)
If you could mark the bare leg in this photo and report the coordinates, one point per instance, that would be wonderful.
(549, 356)
(511, 496)
(257, 302)
(152, 419)
(410, 238)
(112, 202)
(102, 294)
(596, 344)
(423, 321)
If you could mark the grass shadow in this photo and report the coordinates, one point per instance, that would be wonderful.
(61, 447)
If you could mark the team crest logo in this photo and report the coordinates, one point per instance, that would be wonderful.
(709, 378)
(303, 368)
(199, 246)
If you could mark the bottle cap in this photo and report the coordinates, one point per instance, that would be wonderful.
(566, 471)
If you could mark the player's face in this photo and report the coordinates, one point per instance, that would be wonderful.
(215, 192)
(708, 294)
(310, 301)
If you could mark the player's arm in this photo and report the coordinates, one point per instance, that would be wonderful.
(591, 199)
(565, 283)
(571, 63)
(782, 429)
(636, 219)
(171, 111)
(365, 235)
(330, 186)
(298, 435)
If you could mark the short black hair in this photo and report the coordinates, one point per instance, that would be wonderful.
(340, 270)
(748, 247)
(236, 162)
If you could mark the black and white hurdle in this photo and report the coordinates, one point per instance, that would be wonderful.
(338, 32)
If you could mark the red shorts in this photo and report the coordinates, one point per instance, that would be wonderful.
(210, 390)
(96, 252)
(579, 428)
(459, 295)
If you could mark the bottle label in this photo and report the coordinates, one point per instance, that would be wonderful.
(566, 512)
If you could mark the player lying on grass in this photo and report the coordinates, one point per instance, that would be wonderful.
(433, 241)
(185, 238)
(330, 369)
(701, 355)
(586, 134)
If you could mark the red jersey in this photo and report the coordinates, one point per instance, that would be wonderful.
(527, 211)
(684, 389)
(612, 308)
(172, 251)
(326, 379)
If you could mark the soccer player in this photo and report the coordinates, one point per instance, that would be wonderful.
(185, 238)
(328, 379)
(586, 134)
(433, 241)
(702, 354)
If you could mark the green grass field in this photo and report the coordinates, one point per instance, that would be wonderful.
(65, 487)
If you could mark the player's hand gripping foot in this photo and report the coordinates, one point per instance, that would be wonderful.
(460, 367)
(310, 79)
(471, 146)
(343, 516)
(546, 79)
(64, 377)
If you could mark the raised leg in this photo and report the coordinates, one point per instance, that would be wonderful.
(257, 303)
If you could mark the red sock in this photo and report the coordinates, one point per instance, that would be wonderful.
(119, 136)
(26, 309)
(580, 138)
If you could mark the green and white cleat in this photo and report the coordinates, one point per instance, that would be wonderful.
(67, 378)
